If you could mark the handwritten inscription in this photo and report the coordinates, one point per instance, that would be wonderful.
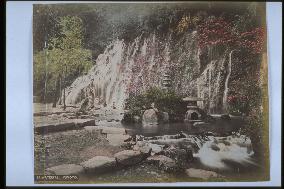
(56, 177)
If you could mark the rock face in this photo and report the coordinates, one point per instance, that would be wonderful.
(99, 164)
(130, 157)
(150, 117)
(199, 173)
(66, 169)
(142, 62)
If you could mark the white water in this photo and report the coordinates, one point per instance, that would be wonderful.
(122, 69)
(239, 150)
(225, 96)
(135, 67)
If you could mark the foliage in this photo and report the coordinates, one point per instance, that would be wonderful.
(183, 24)
(218, 31)
(63, 57)
(164, 101)
(254, 129)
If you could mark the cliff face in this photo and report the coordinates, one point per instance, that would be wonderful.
(134, 67)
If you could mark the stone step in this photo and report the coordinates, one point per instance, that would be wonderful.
(64, 126)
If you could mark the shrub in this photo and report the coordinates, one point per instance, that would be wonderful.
(165, 101)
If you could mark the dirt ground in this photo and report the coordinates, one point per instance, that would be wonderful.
(70, 147)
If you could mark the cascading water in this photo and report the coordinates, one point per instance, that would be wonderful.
(136, 66)
(225, 96)
(217, 149)
(122, 69)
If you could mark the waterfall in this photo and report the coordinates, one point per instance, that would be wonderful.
(134, 67)
(121, 69)
(225, 105)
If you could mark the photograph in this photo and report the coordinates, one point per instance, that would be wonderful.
(140, 92)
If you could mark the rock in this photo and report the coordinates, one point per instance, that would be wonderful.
(225, 117)
(146, 150)
(66, 169)
(99, 164)
(163, 162)
(199, 173)
(156, 148)
(200, 124)
(113, 130)
(136, 119)
(181, 156)
(107, 130)
(130, 157)
(150, 116)
(84, 117)
(145, 147)
(116, 139)
(215, 147)
(93, 128)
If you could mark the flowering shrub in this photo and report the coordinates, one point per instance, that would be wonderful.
(238, 104)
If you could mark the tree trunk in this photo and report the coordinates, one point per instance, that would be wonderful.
(55, 94)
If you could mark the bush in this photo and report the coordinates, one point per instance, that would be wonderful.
(165, 101)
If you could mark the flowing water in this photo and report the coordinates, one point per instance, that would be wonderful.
(227, 153)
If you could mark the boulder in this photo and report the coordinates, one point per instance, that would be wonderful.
(181, 156)
(163, 162)
(65, 169)
(215, 147)
(145, 147)
(156, 148)
(150, 116)
(199, 173)
(130, 157)
(99, 164)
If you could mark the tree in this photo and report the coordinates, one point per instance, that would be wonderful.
(66, 56)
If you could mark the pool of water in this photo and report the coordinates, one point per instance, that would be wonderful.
(175, 128)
